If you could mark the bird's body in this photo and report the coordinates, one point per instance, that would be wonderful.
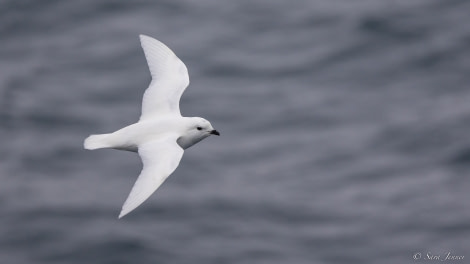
(130, 137)
(161, 134)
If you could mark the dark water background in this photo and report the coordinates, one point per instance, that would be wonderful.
(345, 132)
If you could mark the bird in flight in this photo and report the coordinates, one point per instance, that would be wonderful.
(161, 135)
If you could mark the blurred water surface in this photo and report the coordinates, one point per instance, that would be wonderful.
(345, 131)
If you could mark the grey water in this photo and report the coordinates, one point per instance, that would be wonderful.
(345, 132)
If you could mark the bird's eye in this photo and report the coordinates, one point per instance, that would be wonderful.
(199, 128)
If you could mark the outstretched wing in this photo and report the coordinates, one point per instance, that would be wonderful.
(169, 80)
(160, 158)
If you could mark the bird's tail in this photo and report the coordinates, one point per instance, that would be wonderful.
(97, 142)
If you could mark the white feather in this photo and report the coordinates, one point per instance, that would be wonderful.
(160, 158)
(169, 80)
(96, 142)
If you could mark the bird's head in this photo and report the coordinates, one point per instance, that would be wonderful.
(203, 126)
(196, 130)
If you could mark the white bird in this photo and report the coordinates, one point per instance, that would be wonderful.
(161, 134)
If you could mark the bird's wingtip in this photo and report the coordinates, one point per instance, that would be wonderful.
(122, 214)
(143, 36)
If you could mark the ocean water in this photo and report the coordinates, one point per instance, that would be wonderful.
(345, 132)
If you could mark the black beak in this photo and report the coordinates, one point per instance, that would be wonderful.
(215, 132)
